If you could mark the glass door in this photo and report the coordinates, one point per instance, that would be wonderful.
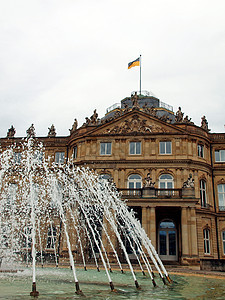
(167, 240)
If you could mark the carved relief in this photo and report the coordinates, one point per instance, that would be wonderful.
(135, 124)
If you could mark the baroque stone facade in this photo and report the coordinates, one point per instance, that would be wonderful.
(171, 171)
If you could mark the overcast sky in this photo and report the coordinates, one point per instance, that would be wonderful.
(61, 59)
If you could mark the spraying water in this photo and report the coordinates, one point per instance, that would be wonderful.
(49, 208)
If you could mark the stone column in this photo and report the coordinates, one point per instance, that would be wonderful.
(184, 232)
(152, 222)
(194, 244)
(144, 219)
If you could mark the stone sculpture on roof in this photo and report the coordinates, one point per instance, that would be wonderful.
(11, 132)
(204, 123)
(31, 131)
(74, 127)
(51, 131)
(179, 115)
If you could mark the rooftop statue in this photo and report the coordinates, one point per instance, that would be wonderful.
(204, 123)
(179, 115)
(126, 108)
(31, 131)
(74, 127)
(51, 131)
(11, 132)
(134, 100)
(94, 118)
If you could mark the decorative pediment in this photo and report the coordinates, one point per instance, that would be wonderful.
(135, 124)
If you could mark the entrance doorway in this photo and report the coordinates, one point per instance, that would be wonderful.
(167, 240)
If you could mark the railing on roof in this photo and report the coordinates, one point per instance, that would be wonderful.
(166, 106)
(144, 93)
(112, 107)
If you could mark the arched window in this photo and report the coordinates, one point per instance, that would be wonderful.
(134, 182)
(166, 181)
(105, 177)
(51, 238)
(206, 236)
(203, 193)
(221, 196)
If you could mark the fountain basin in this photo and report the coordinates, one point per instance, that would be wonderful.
(59, 284)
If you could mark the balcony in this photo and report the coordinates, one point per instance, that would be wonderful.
(157, 193)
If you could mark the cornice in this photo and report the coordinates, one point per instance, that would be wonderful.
(145, 161)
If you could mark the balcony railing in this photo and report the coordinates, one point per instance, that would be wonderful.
(221, 208)
(151, 193)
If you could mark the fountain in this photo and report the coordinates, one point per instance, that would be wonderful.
(78, 212)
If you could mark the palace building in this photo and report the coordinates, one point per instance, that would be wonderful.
(170, 171)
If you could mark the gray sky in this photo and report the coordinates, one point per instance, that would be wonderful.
(61, 59)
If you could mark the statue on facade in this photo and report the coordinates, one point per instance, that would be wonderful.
(134, 100)
(189, 183)
(11, 132)
(74, 127)
(31, 131)
(51, 131)
(179, 115)
(148, 181)
(204, 123)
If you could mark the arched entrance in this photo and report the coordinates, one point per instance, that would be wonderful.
(167, 240)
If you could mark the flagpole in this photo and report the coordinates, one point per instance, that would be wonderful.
(140, 74)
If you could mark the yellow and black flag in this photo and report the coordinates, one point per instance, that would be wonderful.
(134, 63)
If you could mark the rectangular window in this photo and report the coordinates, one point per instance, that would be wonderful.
(203, 193)
(75, 152)
(59, 157)
(106, 148)
(223, 240)
(200, 150)
(38, 156)
(17, 157)
(221, 196)
(220, 155)
(165, 147)
(135, 148)
(206, 241)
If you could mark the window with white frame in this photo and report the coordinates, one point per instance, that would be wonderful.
(51, 238)
(59, 157)
(220, 155)
(105, 148)
(223, 241)
(166, 181)
(134, 181)
(203, 197)
(135, 148)
(200, 150)
(221, 196)
(17, 157)
(206, 236)
(38, 156)
(165, 147)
